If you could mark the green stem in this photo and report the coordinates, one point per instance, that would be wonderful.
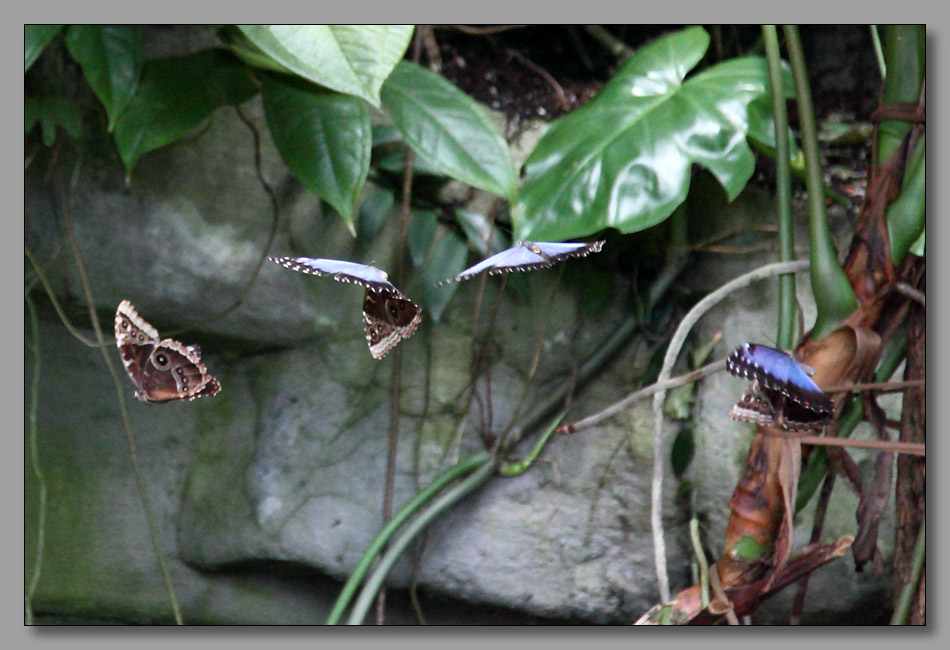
(463, 467)
(35, 462)
(818, 463)
(424, 518)
(902, 608)
(514, 469)
(834, 297)
(783, 190)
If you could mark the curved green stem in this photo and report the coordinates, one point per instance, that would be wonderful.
(424, 518)
(834, 296)
(514, 469)
(463, 467)
(35, 462)
(783, 191)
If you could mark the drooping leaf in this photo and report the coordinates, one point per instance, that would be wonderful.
(373, 210)
(35, 40)
(446, 258)
(174, 96)
(623, 160)
(351, 59)
(449, 129)
(422, 227)
(51, 112)
(111, 60)
(323, 136)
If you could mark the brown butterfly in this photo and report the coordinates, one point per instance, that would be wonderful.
(162, 370)
(388, 315)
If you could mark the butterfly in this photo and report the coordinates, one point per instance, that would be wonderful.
(388, 316)
(781, 390)
(162, 370)
(526, 256)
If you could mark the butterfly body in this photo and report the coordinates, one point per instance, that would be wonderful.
(527, 256)
(163, 370)
(781, 391)
(388, 316)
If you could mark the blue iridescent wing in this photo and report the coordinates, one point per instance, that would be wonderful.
(362, 274)
(778, 371)
(527, 256)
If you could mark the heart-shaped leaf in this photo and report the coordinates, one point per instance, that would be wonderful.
(111, 60)
(351, 59)
(174, 96)
(449, 129)
(623, 161)
(323, 136)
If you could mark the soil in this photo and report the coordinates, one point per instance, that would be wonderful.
(545, 71)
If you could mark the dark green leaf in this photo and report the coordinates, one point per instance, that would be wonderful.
(174, 96)
(422, 229)
(623, 160)
(681, 453)
(351, 59)
(478, 230)
(111, 60)
(446, 259)
(51, 112)
(323, 136)
(449, 130)
(35, 40)
(373, 211)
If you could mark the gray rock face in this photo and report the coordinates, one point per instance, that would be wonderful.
(285, 467)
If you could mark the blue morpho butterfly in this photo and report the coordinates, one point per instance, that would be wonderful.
(527, 255)
(781, 386)
(388, 315)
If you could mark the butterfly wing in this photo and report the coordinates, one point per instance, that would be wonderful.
(527, 256)
(364, 275)
(755, 406)
(162, 371)
(388, 318)
(779, 371)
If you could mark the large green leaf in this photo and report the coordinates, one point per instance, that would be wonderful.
(111, 59)
(52, 112)
(446, 259)
(351, 59)
(449, 129)
(174, 96)
(623, 161)
(35, 40)
(324, 137)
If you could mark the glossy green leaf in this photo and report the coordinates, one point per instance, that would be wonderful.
(449, 129)
(323, 136)
(111, 60)
(174, 96)
(446, 259)
(422, 227)
(351, 59)
(51, 112)
(623, 160)
(35, 40)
